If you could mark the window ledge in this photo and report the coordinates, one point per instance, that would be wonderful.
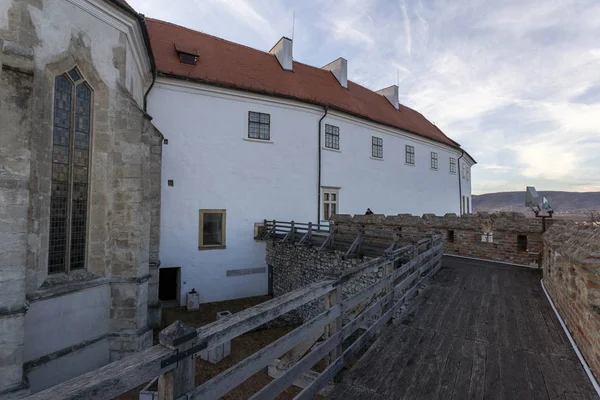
(376, 158)
(409, 164)
(258, 140)
(330, 149)
(61, 284)
(452, 173)
(211, 248)
(434, 169)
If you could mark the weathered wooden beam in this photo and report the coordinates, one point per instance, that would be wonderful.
(275, 370)
(307, 238)
(291, 234)
(239, 323)
(111, 380)
(292, 356)
(178, 337)
(286, 379)
(356, 244)
(332, 370)
(232, 377)
(328, 243)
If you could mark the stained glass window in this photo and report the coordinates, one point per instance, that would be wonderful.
(70, 170)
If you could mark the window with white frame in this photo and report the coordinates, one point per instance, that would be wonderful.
(259, 125)
(434, 160)
(332, 137)
(330, 203)
(377, 147)
(410, 154)
(452, 165)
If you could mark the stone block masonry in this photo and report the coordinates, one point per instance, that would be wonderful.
(506, 237)
(571, 263)
(294, 267)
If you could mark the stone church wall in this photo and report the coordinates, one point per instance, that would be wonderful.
(44, 341)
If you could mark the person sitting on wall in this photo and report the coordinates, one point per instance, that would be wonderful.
(369, 212)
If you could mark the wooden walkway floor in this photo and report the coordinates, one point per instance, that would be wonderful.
(478, 331)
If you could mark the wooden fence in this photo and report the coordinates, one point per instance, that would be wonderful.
(325, 336)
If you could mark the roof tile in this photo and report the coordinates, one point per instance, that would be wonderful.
(230, 64)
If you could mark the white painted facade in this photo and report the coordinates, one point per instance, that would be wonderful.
(214, 165)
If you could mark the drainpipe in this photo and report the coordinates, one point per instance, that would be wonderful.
(326, 110)
(460, 201)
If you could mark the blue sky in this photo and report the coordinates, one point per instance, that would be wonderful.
(517, 83)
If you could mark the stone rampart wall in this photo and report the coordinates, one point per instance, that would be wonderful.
(506, 237)
(571, 263)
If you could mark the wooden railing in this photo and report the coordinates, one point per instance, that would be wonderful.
(322, 337)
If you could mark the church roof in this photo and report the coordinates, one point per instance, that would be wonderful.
(233, 65)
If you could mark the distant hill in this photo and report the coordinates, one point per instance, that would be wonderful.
(562, 202)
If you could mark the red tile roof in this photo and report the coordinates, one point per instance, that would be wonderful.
(234, 65)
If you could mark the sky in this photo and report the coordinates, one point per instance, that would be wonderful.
(516, 83)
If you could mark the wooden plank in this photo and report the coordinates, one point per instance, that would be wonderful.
(519, 375)
(551, 378)
(535, 377)
(277, 386)
(493, 374)
(292, 356)
(239, 323)
(460, 370)
(429, 376)
(478, 371)
(111, 380)
(349, 353)
(232, 377)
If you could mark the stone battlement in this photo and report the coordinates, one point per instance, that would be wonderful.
(504, 236)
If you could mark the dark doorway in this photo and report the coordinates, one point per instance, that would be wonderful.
(168, 284)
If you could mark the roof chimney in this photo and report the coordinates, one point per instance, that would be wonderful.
(391, 93)
(283, 52)
(339, 68)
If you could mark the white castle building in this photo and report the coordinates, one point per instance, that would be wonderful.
(256, 135)
(133, 149)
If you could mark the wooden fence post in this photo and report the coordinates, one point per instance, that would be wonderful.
(331, 299)
(172, 384)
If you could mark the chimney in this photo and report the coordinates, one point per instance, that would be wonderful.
(339, 68)
(391, 93)
(283, 52)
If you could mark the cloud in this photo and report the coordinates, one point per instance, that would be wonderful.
(514, 81)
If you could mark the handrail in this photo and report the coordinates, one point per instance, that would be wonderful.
(340, 320)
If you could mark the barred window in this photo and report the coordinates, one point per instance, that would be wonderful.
(332, 137)
(70, 166)
(377, 147)
(410, 154)
(259, 126)
(452, 165)
(434, 160)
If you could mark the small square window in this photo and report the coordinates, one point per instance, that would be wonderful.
(170, 182)
(434, 160)
(452, 165)
(259, 125)
(332, 137)
(377, 147)
(410, 154)
(212, 229)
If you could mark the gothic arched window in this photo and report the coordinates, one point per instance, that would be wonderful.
(70, 168)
